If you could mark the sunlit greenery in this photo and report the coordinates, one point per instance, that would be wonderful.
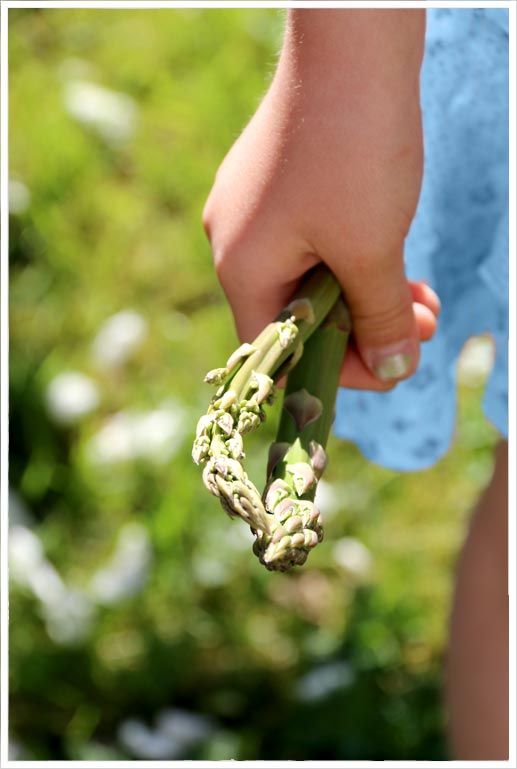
(339, 660)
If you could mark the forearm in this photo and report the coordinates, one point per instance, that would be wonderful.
(359, 68)
(355, 51)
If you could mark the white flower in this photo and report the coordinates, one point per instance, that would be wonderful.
(144, 743)
(71, 396)
(19, 197)
(118, 338)
(25, 554)
(18, 751)
(353, 557)
(182, 726)
(69, 619)
(327, 499)
(68, 613)
(126, 572)
(333, 497)
(175, 732)
(475, 361)
(18, 510)
(153, 435)
(110, 114)
(324, 680)
(47, 585)
(210, 571)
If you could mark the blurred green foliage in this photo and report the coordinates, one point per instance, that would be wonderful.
(144, 627)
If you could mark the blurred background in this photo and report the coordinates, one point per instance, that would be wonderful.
(141, 626)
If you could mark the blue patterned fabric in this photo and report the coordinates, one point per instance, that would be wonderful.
(458, 242)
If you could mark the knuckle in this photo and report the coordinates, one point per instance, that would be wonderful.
(226, 256)
(230, 248)
(385, 319)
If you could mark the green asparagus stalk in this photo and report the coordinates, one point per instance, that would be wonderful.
(298, 459)
(245, 385)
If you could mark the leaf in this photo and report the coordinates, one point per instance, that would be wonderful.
(303, 407)
(277, 451)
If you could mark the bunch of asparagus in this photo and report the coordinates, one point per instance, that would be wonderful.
(307, 342)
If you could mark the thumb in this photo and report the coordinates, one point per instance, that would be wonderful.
(383, 321)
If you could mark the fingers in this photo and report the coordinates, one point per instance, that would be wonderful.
(257, 301)
(259, 274)
(386, 327)
(422, 293)
(384, 324)
(425, 306)
(425, 320)
(356, 376)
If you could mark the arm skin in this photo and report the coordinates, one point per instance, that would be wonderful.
(329, 169)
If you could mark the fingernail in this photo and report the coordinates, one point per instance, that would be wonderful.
(391, 362)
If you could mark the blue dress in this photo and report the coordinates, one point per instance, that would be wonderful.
(458, 242)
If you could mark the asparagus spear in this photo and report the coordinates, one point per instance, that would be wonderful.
(245, 386)
(297, 459)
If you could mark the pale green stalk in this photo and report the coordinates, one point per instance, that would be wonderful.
(298, 458)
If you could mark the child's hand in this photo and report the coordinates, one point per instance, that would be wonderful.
(329, 169)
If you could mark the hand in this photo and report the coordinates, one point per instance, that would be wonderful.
(329, 169)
